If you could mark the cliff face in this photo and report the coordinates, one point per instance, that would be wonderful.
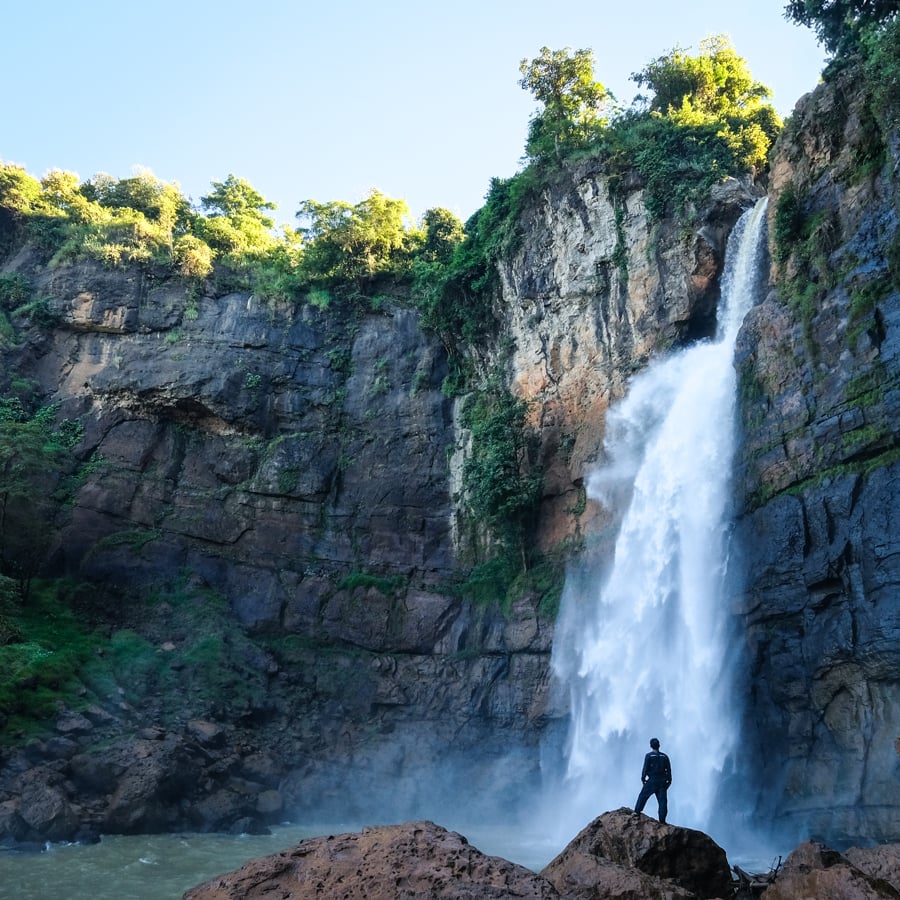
(281, 482)
(819, 478)
(296, 474)
(594, 290)
(285, 482)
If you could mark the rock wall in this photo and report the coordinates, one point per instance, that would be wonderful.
(298, 471)
(283, 475)
(595, 288)
(301, 467)
(819, 480)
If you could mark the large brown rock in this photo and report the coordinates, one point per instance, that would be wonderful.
(390, 862)
(815, 872)
(882, 861)
(625, 855)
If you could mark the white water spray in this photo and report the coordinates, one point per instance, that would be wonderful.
(643, 653)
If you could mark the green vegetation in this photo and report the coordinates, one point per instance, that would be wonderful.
(501, 489)
(43, 646)
(841, 25)
(35, 454)
(572, 101)
(704, 118)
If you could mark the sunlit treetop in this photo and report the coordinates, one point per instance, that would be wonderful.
(572, 100)
(715, 83)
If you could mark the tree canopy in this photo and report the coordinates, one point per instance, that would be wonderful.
(572, 100)
(353, 242)
(839, 24)
(715, 90)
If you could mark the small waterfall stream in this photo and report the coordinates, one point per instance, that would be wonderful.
(642, 648)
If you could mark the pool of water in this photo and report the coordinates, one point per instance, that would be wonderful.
(164, 866)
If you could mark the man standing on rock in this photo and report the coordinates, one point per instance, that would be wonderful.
(656, 777)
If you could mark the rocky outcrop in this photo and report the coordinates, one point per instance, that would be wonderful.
(814, 870)
(282, 483)
(391, 862)
(819, 479)
(623, 854)
(595, 288)
(620, 855)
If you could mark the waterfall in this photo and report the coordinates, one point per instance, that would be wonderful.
(642, 648)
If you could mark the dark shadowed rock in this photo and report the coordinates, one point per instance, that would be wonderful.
(390, 862)
(624, 854)
(815, 872)
(44, 807)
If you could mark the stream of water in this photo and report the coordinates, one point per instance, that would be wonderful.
(642, 648)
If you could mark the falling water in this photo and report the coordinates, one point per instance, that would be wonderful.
(643, 650)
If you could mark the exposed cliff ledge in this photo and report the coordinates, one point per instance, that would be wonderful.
(595, 288)
(819, 365)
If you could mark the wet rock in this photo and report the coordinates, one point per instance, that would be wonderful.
(815, 871)
(71, 723)
(12, 825)
(248, 825)
(626, 854)
(46, 810)
(269, 804)
(391, 862)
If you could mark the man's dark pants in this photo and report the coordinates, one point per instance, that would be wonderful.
(660, 788)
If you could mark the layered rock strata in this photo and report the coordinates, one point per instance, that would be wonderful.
(819, 479)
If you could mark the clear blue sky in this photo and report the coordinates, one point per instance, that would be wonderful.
(326, 100)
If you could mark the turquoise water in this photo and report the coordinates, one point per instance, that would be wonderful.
(164, 866)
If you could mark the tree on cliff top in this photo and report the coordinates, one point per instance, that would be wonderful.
(840, 24)
(572, 100)
(236, 223)
(715, 91)
(354, 243)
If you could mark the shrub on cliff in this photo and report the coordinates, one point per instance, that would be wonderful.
(501, 488)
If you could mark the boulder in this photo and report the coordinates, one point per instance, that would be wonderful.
(45, 808)
(816, 871)
(882, 862)
(677, 862)
(389, 862)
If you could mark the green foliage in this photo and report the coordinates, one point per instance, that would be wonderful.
(40, 663)
(501, 489)
(881, 52)
(34, 455)
(155, 200)
(15, 291)
(711, 86)
(354, 243)
(443, 233)
(456, 298)
(236, 223)
(790, 223)
(193, 257)
(572, 101)
(20, 193)
(840, 25)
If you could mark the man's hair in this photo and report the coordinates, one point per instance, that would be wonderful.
(654, 743)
